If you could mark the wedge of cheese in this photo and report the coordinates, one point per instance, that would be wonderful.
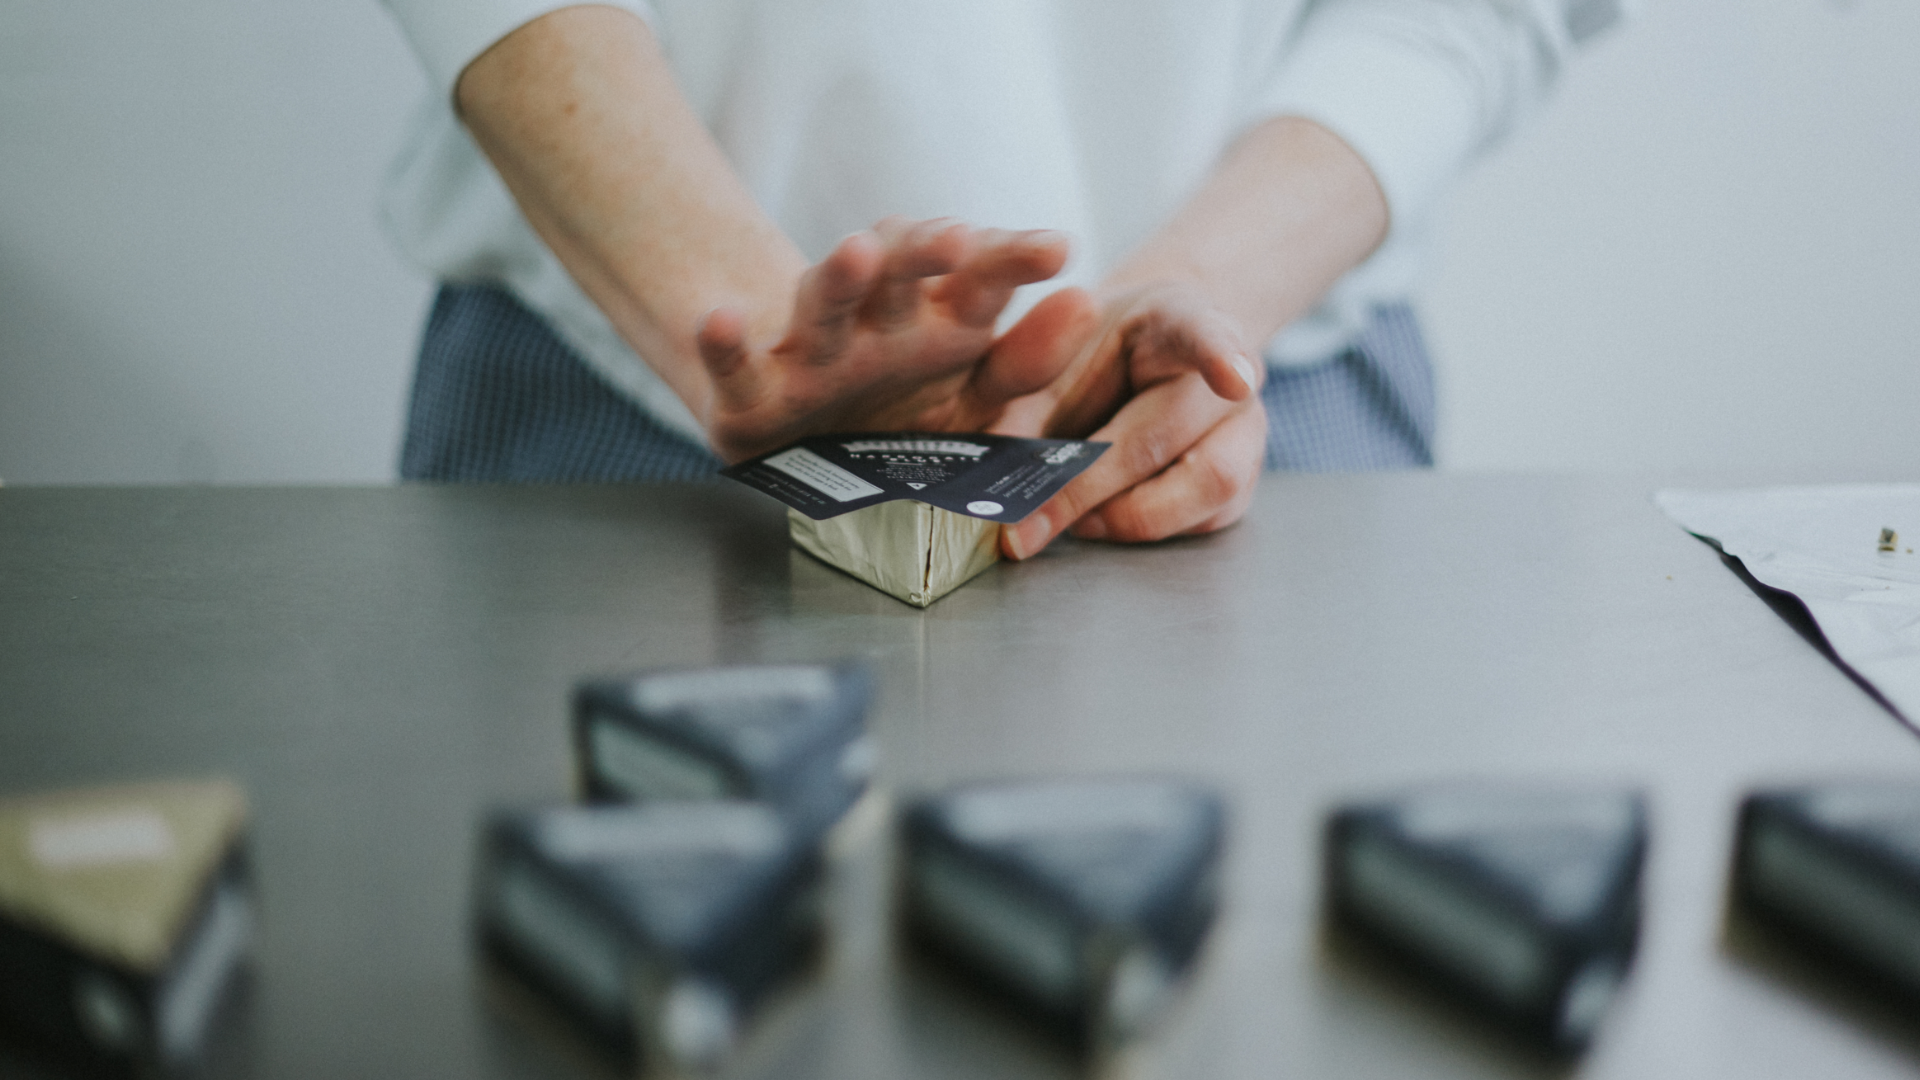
(1085, 901)
(792, 736)
(910, 550)
(1522, 901)
(124, 912)
(657, 928)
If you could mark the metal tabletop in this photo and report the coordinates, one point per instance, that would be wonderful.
(378, 666)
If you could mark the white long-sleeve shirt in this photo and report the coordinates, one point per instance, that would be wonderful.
(1093, 117)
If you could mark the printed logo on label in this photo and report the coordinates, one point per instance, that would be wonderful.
(821, 475)
(984, 507)
(1060, 455)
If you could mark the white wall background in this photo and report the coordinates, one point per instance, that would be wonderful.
(192, 282)
(1707, 253)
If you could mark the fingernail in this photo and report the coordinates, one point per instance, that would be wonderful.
(1090, 528)
(1248, 374)
(1047, 236)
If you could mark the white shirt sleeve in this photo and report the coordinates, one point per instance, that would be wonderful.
(448, 34)
(1419, 88)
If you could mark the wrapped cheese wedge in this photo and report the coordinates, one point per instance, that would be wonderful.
(790, 735)
(1523, 901)
(914, 514)
(1083, 902)
(1837, 867)
(656, 928)
(124, 912)
(909, 549)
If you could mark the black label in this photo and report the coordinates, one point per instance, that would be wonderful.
(996, 477)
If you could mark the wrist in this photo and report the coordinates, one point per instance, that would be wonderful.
(1172, 294)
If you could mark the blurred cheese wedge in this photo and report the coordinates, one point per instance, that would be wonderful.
(1523, 901)
(790, 735)
(124, 912)
(1084, 901)
(657, 928)
(1838, 866)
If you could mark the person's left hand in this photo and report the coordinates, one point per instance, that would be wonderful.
(1167, 379)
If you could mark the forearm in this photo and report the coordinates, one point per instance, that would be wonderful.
(1288, 210)
(579, 114)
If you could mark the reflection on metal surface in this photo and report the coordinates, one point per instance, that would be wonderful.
(381, 663)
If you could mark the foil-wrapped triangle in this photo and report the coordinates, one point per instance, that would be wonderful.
(906, 549)
(914, 514)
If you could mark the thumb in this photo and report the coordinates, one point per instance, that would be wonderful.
(722, 340)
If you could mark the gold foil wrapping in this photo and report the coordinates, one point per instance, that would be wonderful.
(910, 550)
(117, 871)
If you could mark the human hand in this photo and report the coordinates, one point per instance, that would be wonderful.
(1168, 380)
(891, 331)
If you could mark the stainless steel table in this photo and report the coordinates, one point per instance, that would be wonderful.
(378, 666)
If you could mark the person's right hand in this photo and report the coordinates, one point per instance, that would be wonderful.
(891, 331)
(1166, 378)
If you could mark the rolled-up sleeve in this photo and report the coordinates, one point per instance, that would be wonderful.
(448, 34)
(1419, 88)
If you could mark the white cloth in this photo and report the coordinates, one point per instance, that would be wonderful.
(1828, 546)
(1094, 117)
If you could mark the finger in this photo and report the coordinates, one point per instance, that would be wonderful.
(1208, 488)
(1148, 434)
(826, 304)
(1169, 341)
(1095, 386)
(722, 340)
(1022, 418)
(1035, 352)
(915, 252)
(1001, 262)
(924, 248)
